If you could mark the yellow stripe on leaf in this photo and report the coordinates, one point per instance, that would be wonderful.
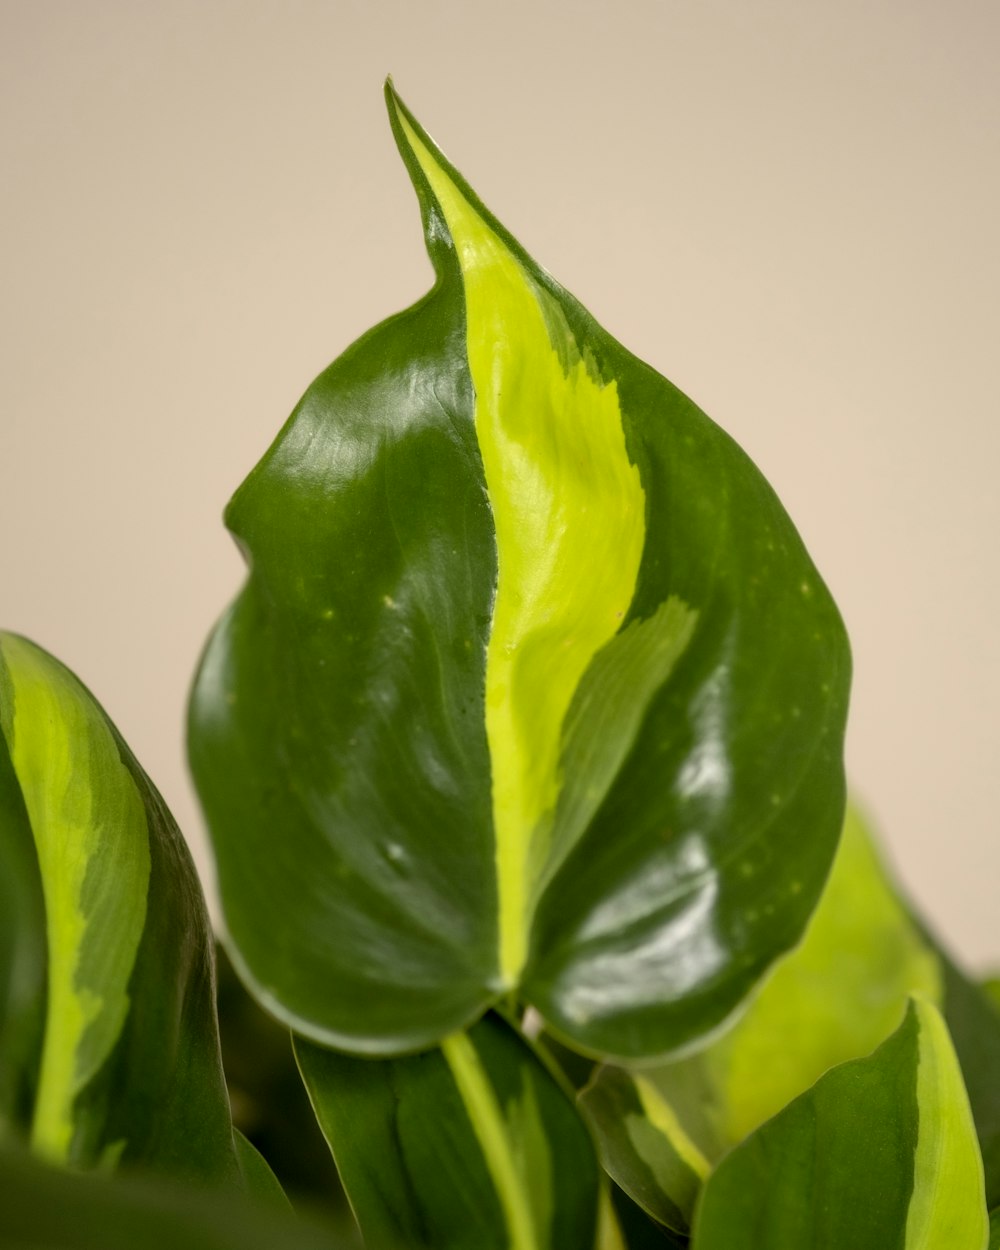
(663, 1118)
(90, 833)
(569, 513)
(493, 1134)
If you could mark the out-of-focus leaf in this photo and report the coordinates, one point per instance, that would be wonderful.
(129, 1066)
(472, 1144)
(643, 1146)
(991, 988)
(258, 1179)
(46, 1208)
(532, 689)
(974, 1023)
(995, 1229)
(834, 998)
(881, 1154)
(269, 1102)
(22, 952)
(638, 1231)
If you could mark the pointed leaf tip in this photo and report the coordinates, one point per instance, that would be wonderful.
(641, 796)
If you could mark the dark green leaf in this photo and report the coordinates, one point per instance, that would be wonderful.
(258, 1179)
(269, 1102)
(44, 1208)
(638, 1231)
(473, 1144)
(880, 1154)
(532, 688)
(129, 1066)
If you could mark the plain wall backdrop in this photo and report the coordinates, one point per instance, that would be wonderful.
(788, 207)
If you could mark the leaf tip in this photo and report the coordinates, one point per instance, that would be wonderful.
(397, 110)
(405, 128)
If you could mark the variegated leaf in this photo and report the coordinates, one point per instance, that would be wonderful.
(471, 1144)
(836, 997)
(881, 1154)
(125, 1063)
(532, 689)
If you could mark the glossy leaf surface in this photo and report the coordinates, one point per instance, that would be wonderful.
(532, 687)
(836, 997)
(127, 1061)
(472, 1144)
(46, 1208)
(880, 1154)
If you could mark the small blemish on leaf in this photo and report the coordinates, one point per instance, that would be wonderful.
(394, 853)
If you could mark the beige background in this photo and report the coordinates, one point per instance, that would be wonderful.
(789, 208)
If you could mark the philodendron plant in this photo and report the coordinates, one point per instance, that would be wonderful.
(521, 756)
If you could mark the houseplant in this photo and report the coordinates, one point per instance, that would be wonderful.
(521, 754)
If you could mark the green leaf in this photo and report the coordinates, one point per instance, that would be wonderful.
(45, 1208)
(836, 997)
(127, 1064)
(991, 988)
(995, 1229)
(22, 951)
(974, 1023)
(532, 689)
(472, 1144)
(643, 1146)
(258, 1179)
(880, 1154)
(637, 1231)
(270, 1103)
